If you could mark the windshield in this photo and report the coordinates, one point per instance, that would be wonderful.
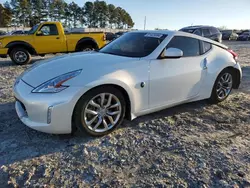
(33, 29)
(134, 44)
(245, 33)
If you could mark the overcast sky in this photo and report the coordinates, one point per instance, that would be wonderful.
(175, 14)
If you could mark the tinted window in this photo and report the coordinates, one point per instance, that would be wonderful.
(214, 30)
(206, 47)
(189, 46)
(206, 32)
(198, 32)
(134, 44)
(49, 29)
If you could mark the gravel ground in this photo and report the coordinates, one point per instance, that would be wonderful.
(192, 145)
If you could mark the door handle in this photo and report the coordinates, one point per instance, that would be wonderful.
(205, 64)
(57, 37)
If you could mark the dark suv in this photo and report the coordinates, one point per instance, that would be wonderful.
(205, 31)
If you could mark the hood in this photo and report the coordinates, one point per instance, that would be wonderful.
(45, 70)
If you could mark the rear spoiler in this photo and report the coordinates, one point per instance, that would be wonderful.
(217, 44)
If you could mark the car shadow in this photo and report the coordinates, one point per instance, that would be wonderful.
(19, 142)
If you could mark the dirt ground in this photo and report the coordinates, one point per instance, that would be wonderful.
(192, 145)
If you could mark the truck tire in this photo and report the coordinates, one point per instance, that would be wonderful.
(20, 56)
(84, 48)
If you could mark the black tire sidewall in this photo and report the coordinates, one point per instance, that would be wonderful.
(12, 56)
(214, 97)
(83, 101)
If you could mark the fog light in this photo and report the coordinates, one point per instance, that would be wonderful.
(49, 114)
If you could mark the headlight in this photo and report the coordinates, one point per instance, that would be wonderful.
(55, 85)
(1, 44)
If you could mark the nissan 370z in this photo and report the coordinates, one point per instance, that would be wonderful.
(139, 73)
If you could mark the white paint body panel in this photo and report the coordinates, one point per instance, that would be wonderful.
(167, 82)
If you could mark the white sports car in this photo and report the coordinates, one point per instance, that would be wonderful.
(139, 73)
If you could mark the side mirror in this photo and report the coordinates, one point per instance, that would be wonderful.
(172, 53)
(39, 33)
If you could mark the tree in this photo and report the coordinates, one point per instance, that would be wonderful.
(92, 14)
(88, 10)
(101, 10)
(75, 13)
(112, 15)
(5, 15)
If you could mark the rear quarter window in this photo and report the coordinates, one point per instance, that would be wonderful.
(206, 47)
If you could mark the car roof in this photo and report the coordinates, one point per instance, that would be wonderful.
(181, 33)
(198, 26)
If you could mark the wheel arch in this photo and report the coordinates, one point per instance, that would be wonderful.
(236, 76)
(86, 41)
(126, 94)
(21, 44)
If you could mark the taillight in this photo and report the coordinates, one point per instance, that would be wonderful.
(104, 37)
(233, 53)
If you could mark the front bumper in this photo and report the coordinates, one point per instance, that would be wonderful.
(3, 51)
(49, 113)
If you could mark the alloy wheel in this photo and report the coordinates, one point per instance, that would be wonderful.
(102, 112)
(224, 86)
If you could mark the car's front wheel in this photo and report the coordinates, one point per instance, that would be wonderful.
(20, 56)
(222, 86)
(99, 111)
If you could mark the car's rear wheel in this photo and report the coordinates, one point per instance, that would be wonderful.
(86, 48)
(99, 111)
(20, 56)
(222, 86)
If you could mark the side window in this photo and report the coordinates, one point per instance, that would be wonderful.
(198, 32)
(206, 47)
(189, 46)
(214, 30)
(206, 32)
(49, 29)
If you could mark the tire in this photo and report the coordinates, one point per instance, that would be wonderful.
(85, 48)
(87, 115)
(20, 56)
(217, 95)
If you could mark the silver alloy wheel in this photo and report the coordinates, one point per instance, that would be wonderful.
(224, 86)
(20, 56)
(102, 112)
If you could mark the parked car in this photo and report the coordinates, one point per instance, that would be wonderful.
(45, 38)
(244, 36)
(205, 31)
(139, 73)
(229, 35)
(110, 36)
(118, 34)
(2, 33)
(17, 32)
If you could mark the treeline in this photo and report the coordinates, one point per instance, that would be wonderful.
(93, 14)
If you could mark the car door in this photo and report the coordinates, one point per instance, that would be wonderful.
(48, 40)
(178, 79)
